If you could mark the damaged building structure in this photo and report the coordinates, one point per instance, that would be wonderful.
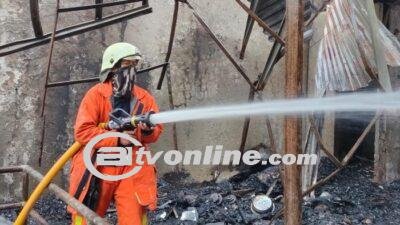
(209, 53)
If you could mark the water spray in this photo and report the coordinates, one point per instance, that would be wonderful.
(345, 103)
(121, 120)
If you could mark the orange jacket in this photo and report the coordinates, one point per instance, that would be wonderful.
(94, 109)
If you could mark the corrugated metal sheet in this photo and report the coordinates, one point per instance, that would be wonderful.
(340, 66)
(272, 12)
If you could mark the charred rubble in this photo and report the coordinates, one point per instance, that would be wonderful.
(351, 198)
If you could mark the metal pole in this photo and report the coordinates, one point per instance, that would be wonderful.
(53, 39)
(37, 217)
(99, 10)
(90, 216)
(221, 46)
(11, 205)
(53, 35)
(96, 79)
(37, 26)
(98, 4)
(170, 44)
(261, 22)
(249, 29)
(294, 69)
(246, 125)
(172, 107)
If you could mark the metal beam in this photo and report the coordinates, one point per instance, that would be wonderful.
(99, 10)
(294, 70)
(59, 192)
(170, 44)
(50, 56)
(249, 28)
(35, 18)
(11, 169)
(359, 141)
(261, 22)
(318, 136)
(95, 79)
(37, 217)
(275, 54)
(11, 205)
(73, 30)
(64, 196)
(98, 5)
(316, 14)
(221, 46)
(246, 125)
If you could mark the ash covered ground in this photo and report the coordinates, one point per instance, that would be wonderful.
(349, 198)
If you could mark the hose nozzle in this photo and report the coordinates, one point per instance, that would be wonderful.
(121, 120)
(145, 118)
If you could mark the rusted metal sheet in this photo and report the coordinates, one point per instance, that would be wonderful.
(340, 65)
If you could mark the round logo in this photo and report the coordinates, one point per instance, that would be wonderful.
(124, 155)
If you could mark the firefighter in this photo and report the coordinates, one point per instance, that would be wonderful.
(132, 196)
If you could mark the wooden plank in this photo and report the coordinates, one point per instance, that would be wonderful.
(294, 71)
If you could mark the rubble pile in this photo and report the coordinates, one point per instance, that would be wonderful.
(226, 201)
(350, 198)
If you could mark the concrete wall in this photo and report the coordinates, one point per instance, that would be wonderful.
(201, 75)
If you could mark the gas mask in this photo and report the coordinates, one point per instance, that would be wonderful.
(122, 82)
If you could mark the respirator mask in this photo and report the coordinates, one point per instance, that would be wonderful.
(122, 82)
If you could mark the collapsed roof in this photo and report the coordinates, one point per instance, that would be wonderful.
(346, 42)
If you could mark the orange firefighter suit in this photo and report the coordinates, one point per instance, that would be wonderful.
(131, 195)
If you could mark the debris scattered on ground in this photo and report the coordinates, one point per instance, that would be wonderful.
(348, 199)
(190, 214)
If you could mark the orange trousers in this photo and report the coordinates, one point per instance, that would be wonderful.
(130, 209)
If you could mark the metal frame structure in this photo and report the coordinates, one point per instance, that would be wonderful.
(256, 87)
(41, 39)
(59, 192)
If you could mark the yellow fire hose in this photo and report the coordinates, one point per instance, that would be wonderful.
(46, 181)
